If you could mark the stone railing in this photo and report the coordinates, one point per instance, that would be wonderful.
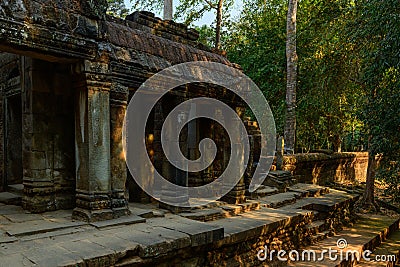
(320, 168)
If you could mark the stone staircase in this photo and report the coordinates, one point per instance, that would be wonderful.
(388, 252)
(377, 233)
(279, 190)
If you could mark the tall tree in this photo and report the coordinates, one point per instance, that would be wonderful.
(191, 10)
(168, 9)
(291, 83)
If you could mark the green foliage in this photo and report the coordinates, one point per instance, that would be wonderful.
(117, 8)
(328, 99)
(206, 35)
(153, 6)
(377, 37)
(257, 43)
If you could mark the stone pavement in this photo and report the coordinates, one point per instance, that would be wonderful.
(150, 235)
(53, 239)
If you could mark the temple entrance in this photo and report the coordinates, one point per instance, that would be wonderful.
(37, 136)
(13, 140)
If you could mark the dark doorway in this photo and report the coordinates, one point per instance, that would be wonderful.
(13, 140)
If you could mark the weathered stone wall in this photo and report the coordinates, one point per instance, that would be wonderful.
(319, 168)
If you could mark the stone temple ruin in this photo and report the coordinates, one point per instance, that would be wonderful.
(67, 72)
(66, 76)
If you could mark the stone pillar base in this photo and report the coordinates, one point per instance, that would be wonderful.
(38, 196)
(236, 195)
(119, 204)
(92, 215)
(99, 207)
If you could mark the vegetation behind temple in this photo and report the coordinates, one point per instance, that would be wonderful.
(349, 71)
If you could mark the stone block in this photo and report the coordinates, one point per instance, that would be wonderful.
(37, 226)
(92, 253)
(53, 256)
(126, 220)
(200, 233)
(34, 160)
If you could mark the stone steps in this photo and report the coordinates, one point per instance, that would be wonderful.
(16, 189)
(390, 247)
(279, 179)
(10, 198)
(263, 191)
(222, 210)
(368, 233)
(279, 200)
(316, 227)
(13, 196)
(272, 199)
(309, 190)
(295, 192)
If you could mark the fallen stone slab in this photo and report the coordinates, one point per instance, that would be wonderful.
(10, 198)
(23, 217)
(56, 233)
(16, 188)
(36, 227)
(10, 209)
(126, 220)
(144, 213)
(7, 239)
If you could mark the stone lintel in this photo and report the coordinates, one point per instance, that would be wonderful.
(16, 36)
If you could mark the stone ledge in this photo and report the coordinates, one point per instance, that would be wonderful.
(126, 220)
(36, 227)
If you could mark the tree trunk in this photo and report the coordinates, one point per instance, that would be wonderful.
(291, 57)
(168, 9)
(218, 25)
(368, 199)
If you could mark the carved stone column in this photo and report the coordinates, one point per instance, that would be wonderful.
(92, 142)
(118, 105)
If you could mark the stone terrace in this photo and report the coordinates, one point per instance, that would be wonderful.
(153, 236)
